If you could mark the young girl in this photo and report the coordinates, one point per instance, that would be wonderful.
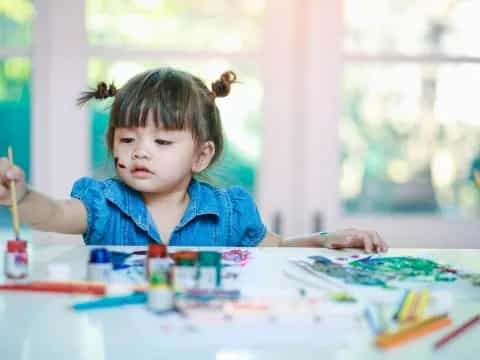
(164, 130)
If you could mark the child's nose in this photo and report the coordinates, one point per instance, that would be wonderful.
(137, 156)
(140, 153)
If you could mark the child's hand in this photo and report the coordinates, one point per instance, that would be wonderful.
(8, 173)
(370, 241)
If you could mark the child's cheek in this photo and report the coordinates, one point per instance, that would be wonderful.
(119, 157)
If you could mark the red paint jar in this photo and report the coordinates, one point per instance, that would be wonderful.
(16, 259)
(157, 261)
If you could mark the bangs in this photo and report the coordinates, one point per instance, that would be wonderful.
(164, 95)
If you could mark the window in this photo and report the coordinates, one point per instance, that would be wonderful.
(15, 78)
(410, 122)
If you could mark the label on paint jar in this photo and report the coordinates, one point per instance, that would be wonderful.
(156, 265)
(160, 298)
(16, 265)
(207, 277)
(99, 272)
(184, 277)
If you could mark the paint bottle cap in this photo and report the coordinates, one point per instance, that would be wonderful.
(16, 245)
(157, 250)
(209, 258)
(100, 255)
(185, 257)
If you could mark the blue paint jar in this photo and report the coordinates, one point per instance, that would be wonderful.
(99, 265)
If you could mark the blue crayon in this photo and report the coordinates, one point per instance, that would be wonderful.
(112, 301)
(375, 319)
(212, 294)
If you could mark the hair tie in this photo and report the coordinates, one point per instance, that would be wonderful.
(103, 91)
(221, 87)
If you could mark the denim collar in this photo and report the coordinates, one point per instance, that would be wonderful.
(202, 202)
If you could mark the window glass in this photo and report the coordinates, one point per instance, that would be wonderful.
(186, 25)
(15, 77)
(448, 27)
(410, 138)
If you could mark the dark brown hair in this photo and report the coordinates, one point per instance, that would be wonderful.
(176, 99)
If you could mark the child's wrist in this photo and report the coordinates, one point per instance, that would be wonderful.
(322, 237)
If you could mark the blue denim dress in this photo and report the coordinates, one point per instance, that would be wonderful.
(117, 215)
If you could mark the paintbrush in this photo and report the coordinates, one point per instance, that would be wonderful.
(13, 193)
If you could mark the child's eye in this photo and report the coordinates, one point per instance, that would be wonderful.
(163, 142)
(126, 140)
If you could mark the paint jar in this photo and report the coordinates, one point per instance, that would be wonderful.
(158, 262)
(160, 294)
(16, 259)
(209, 270)
(184, 270)
(99, 265)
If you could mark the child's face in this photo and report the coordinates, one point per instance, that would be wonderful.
(152, 159)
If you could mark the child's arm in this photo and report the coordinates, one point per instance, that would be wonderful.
(351, 238)
(39, 211)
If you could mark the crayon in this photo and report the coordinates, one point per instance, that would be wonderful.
(94, 288)
(412, 331)
(453, 334)
(112, 301)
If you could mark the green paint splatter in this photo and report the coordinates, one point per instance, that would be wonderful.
(403, 268)
(383, 270)
(343, 297)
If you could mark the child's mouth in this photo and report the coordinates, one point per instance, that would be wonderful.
(141, 172)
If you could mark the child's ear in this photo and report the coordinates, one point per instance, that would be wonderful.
(205, 153)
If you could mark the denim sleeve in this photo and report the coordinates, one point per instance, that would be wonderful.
(92, 193)
(247, 226)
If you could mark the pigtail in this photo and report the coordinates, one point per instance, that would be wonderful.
(103, 91)
(221, 87)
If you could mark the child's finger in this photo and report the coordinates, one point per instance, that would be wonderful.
(384, 246)
(379, 243)
(4, 166)
(367, 242)
(15, 173)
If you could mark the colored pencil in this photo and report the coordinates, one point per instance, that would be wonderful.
(112, 301)
(371, 321)
(376, 318)
(13, 193)
(411, 312)
(400, 306)
(94, 289)
(417, 306)
(412, 331)
(405, 309)
(422, 305)
(61, 287)
(207, 294)
(456, 332)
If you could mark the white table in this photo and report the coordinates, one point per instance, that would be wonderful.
(42, 326)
